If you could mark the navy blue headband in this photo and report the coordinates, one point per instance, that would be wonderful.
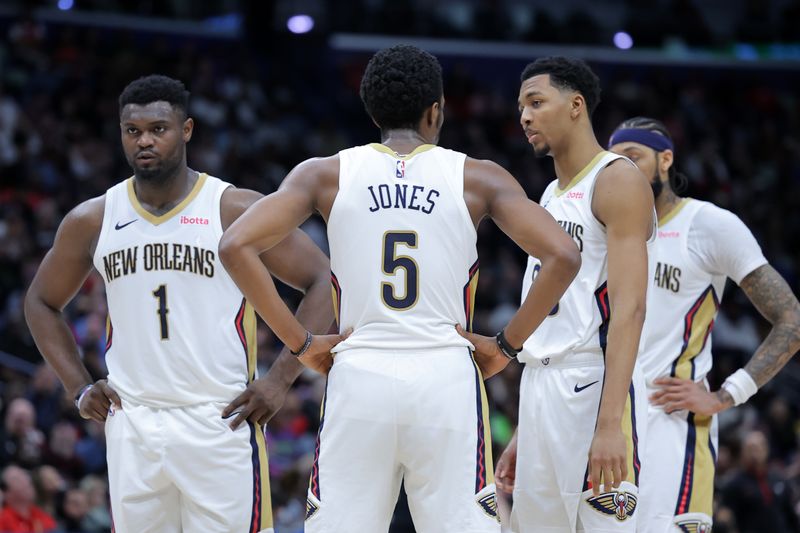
(654, 140)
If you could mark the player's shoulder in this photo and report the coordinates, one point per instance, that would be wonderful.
(712, 219)
(88, 214)
(483, 168)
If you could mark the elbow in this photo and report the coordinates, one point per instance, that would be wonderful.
(28, 305)
(567, 259)
(230, 249)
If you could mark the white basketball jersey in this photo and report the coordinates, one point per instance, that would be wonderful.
(683, 306)
(403, 257)
(580, 320)
(179, 330)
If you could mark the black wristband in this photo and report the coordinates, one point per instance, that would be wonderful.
(304, 347)
(508, 350)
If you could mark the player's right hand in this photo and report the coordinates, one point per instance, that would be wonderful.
(318, 356)
(505, 474)
(487, 353)
(99, 401)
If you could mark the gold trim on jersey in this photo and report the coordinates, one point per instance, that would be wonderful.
(629, 430)
(673, 212)
(250, 326)
(697, 326)
(386, 150)
(160, 219)
(580, 175)
(697, 479)
(265, 515)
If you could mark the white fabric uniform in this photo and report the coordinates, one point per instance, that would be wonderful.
(563, 382)
(404, 399)
(180, 346)
(699, 246)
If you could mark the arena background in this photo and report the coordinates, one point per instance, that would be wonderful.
(273, 83)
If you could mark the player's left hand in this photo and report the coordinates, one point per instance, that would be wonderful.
(318, 356)
(487, 353)
(676, 394)
(258, 403)
(608, 459)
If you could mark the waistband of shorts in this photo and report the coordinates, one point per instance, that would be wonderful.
(461, 351)
(570, 360)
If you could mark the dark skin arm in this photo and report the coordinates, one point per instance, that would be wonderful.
(60, 276)
(310, 187)
(623, 202)
(776, 302)
(297, 261)
(490, 191)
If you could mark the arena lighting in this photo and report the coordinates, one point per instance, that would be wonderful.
(65, 5)
(623, 40)
(300, 24)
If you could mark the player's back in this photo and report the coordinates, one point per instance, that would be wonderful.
(403, 255)
(180, 331)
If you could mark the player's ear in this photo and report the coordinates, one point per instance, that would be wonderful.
(577, 102)
(665, 161)
(188, 128)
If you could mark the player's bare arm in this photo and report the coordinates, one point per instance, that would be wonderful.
(776, 302)
(491, 191)
(310, 187)
(299, 263)
(623, 202)
(60, 276)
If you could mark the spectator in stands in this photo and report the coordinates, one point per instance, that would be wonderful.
(22, 442)
(759, 497)
(19, 514)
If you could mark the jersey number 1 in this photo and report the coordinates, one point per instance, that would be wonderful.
(161, 295)
(391, 262)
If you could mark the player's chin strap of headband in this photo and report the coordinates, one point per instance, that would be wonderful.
(654, 140)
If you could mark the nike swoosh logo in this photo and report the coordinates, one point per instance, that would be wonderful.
(120, 226)
(578, 389)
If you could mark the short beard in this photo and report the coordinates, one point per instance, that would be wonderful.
(158, 175)
(544, 151)
(657, 185)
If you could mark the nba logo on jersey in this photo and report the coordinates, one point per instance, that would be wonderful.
(400, 169)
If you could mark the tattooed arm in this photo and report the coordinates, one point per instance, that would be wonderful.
(776, 302)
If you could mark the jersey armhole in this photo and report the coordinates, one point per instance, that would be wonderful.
(222, 186)
(108, 208)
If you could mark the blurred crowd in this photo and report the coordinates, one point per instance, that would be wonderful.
(737, 135)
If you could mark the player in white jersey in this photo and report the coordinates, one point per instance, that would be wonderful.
(405, 400)
(574, 462)
(180, 336)
(699, 246)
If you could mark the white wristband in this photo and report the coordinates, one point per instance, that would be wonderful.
(740, 386)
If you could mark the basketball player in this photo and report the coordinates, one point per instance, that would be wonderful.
(404, 400)
(180, 337)
(580, 396)
(699, 246)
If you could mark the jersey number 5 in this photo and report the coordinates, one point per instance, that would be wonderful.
(161, 295)
(392, 262)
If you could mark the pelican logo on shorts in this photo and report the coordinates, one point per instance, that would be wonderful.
(311, 508)
(694, 526)
(489, 505)
(620, 504)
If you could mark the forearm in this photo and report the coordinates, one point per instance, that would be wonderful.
(57, 345)
(776, 350)
(623, 345)
(552, 281)
(315, 312)
(255, 282)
